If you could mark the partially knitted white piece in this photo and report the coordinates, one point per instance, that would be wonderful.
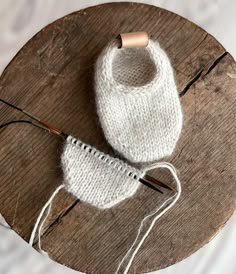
(95, 177)
(137, 101)
(103, 181)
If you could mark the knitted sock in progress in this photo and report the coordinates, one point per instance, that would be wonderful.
(95, 177)
(137, 101)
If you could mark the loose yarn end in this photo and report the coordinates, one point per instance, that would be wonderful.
(47, 207)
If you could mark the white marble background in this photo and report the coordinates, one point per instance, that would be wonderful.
(19, 21)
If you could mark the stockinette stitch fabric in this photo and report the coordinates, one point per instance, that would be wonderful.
(137, 101)
(95, 177)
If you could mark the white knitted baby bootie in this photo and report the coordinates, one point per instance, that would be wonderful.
(137, 101)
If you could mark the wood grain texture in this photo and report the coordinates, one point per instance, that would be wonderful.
(52, 76)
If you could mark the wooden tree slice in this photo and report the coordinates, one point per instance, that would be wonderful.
(52, 76)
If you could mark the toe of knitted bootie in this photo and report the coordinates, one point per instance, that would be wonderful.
(137, 101)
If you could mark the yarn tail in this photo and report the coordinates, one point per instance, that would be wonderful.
(47, 207)
(157, 213)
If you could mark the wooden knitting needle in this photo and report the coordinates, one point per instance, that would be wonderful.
(149, 184)
(156, 182)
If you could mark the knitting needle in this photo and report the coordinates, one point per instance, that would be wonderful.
(147, 180)
(23, 121)
(149, 184)
(51, 128)
(154, 181)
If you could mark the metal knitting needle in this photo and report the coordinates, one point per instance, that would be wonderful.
(146, 180)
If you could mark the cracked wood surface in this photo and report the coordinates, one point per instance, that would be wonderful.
(52, 76)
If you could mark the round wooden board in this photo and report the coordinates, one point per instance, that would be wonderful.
(52, 76)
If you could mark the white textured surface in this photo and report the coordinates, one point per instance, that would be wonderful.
(19, 21)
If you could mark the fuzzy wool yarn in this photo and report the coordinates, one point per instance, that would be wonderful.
(137, 101)
(97, 178)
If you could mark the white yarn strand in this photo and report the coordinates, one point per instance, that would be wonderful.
(47, 205)
(175, 199)
(140, 229)
(41, 227)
